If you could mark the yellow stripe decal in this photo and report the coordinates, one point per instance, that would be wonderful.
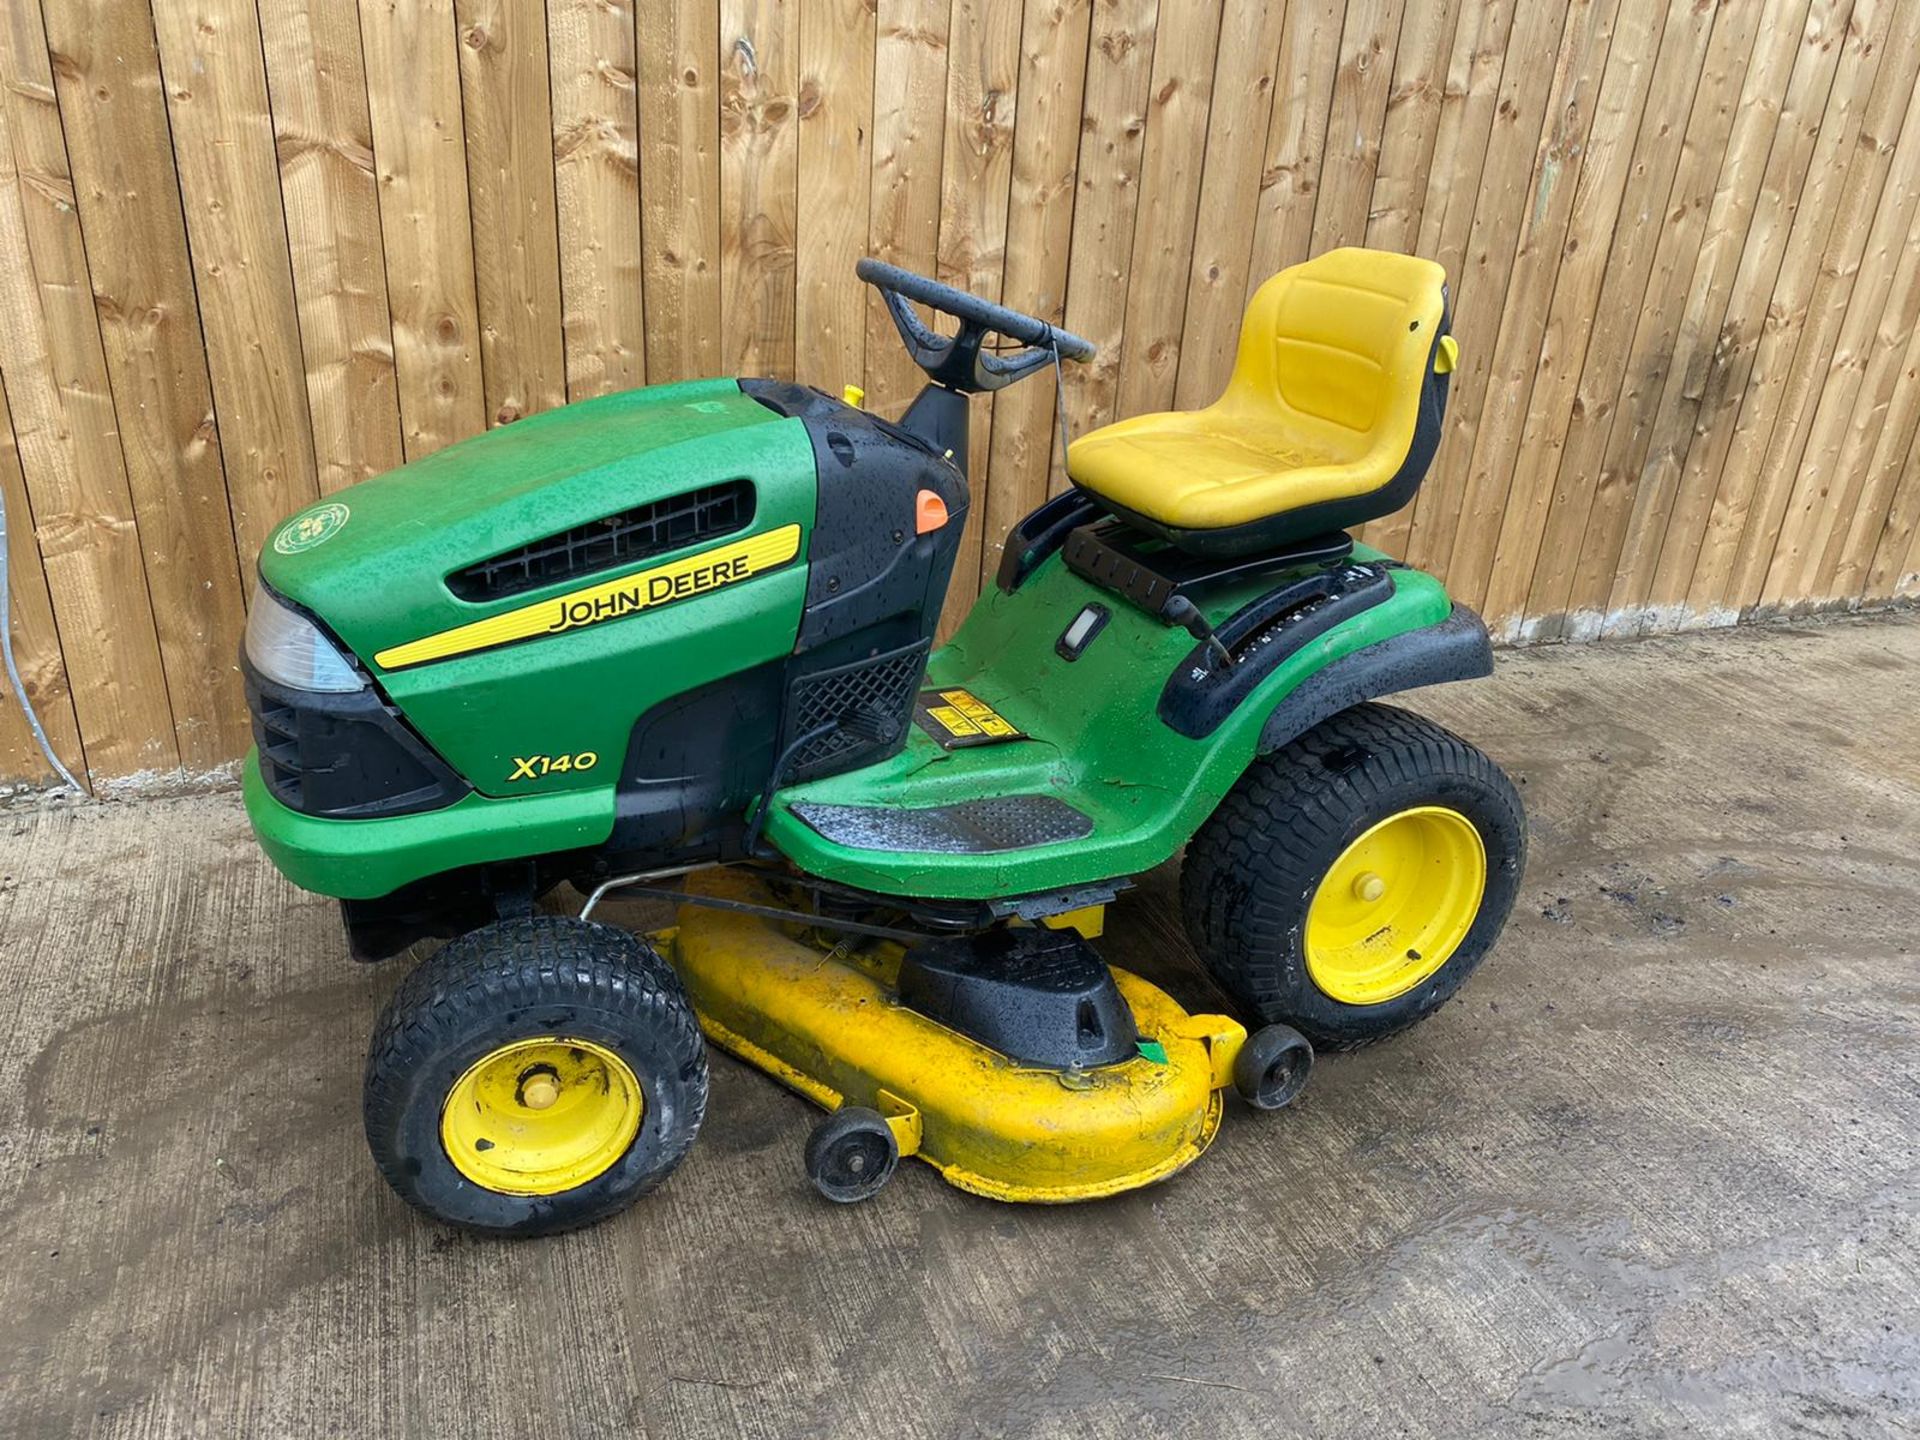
(610, 600)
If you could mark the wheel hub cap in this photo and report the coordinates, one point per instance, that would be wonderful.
(1395, 905)
(536, 1117)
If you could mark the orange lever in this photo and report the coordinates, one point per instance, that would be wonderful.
(929, 512)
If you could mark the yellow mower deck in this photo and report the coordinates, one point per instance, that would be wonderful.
(822, 1019)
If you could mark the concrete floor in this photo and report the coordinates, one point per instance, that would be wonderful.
(1653, 1173)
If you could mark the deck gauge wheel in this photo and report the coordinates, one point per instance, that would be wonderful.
(852, 1154)
(1271, 1069)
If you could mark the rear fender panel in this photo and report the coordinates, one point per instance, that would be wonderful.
(1455, 649)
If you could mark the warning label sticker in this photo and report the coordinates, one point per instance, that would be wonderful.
(958, 718)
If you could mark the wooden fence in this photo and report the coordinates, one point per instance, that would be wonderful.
(252, 251)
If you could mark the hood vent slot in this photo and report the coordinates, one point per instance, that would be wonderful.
(610, 542)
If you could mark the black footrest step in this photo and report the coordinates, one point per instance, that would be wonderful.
(971, 827)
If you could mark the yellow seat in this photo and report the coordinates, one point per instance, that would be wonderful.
(1331, 417)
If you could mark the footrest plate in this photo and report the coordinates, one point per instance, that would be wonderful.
(971, 827)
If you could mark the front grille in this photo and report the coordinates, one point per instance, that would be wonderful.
(873, 701)
(343, 756)
(610, 542)
(276, 730)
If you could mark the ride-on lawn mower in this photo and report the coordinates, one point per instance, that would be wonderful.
(685, 634)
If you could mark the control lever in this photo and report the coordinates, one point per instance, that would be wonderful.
(1183, 612)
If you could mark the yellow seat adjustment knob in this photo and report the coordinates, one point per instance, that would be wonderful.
(853, 395)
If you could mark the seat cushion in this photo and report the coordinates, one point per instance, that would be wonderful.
(1192, 470)
(1334, 402)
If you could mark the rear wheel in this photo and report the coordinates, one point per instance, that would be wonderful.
(1350, 882)
(534, 1076)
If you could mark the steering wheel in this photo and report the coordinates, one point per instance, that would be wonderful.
(960, 362)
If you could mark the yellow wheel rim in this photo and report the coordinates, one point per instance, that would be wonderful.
(1396, 905)
(540, 1116)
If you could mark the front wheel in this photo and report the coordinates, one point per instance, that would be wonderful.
(534, 1076)
(1349, 883)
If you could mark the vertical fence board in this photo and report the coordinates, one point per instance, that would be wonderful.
(1896, 559)
(836, 166)
(1856, 461)
(55, 371)
(1734, 140)
(419, 154)
(505, 93)
(1053, 68)
(1841, 432)
(1468, 101)
(1725, 324)
(909, 130)
(324, 140)
(1763, 378)
(1410, 128)
(1356, 122)
(1463, 121)
(1296, 137)
(1106, 201)
(1180, 98)
(107, 76)
(1624, 179)
(758, 185)
(223, 146)
(1907, 582)
(1520, 354)
(1896, 368)
(1486, 269)
(36, 643)
(976, 177)
(1711, 500)
(1218, 282)
(680, 186)
(1650, 260)
(596, 177)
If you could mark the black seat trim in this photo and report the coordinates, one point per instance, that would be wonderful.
(1145, 571)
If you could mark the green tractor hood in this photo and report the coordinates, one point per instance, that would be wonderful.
(372, 562)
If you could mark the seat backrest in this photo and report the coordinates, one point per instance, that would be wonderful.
(1341, 346)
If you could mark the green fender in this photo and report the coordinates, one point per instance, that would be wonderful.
(1456, 649)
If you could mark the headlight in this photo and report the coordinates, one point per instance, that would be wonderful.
(288, 649)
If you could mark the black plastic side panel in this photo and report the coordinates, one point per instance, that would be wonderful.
(1455, 649)
(1201, 693)
(874, 586)
(694, 762)
(867, 564)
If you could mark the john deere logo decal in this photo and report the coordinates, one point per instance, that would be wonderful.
(610, 600)
(315, 527)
